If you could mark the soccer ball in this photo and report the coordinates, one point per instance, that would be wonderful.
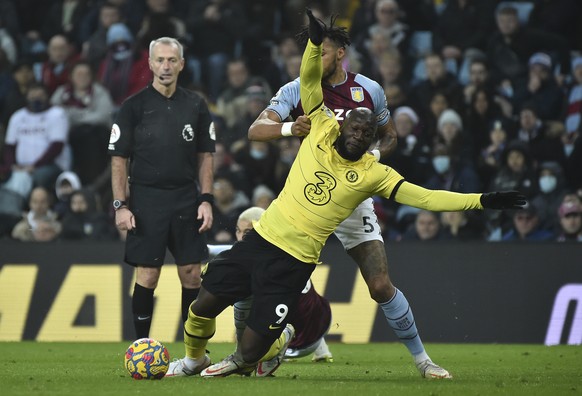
(147, 358)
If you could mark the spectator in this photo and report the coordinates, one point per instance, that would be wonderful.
(427, 228)
(223, 21)
(482, 111)
(489, 161)
(231, 102)
(387, 26)
(64, 17)
(288, 149)
(276, 71)
(125, 69)
(256, 100)
(438, 104)
(36, 148)
(89, 108)
(258, 160)
(84, 221)
(61, 58)
(461, 31)
(540, 89)
(451, 173)
(516, 173)
(7, 42)
(23, 78)
(526, 227)
(543, 138)
(550, 196)
(262, 196)
(95, 48)
(67, 183)
(462, 226)
(573, 117)
(391, 74)
(40, 224)
(479, 77)
(451, 134)
(229, 203)
(412, 155)
(437, 80)
(570, 222)
(511, 46)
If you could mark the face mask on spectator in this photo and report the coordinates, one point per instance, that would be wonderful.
(441, 163)
(548, 183)
(568, 148)
(258, 154)
(121, 50)
(37, 105)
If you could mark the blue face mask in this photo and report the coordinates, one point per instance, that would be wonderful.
(441, 163)
(258, 154)
(548, 183)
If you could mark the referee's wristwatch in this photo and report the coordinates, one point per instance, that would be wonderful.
(118, 204)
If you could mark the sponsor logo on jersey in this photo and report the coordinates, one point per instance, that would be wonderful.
(357, 94)
(352, 176)
(188, 133)
(320, 193)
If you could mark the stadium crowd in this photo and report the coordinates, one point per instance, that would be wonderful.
(485, 95)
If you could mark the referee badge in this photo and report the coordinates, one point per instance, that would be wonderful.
(188, 133)
(357, 94)
(352, 176)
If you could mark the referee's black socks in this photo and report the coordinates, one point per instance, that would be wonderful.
(142, 306)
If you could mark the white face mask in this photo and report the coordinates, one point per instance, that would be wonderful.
(441, 163)
(258, 154)
(568, 148)
(548, 183)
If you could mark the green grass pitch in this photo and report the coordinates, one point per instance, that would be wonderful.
(30, 368)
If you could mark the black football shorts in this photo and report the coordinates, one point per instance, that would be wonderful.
(164, 219)
(256, 267)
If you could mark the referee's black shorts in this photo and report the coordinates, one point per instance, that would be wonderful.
(274, 278)
(164, 219)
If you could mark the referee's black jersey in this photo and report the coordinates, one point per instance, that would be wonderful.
(162, 137)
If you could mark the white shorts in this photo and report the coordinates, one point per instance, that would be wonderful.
(361, 226)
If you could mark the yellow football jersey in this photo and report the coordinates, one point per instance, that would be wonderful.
(323, 188)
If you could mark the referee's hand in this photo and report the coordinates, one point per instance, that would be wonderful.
(124, 219)
(205, 214)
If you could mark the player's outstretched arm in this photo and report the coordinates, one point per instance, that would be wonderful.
(268, 126)
(448, 201)
(311, 67)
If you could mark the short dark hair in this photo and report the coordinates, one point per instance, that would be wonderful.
(338, 34)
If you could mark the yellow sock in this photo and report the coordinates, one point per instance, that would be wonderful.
(197, 331)
(275, 347)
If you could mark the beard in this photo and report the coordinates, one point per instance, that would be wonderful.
(340, 145)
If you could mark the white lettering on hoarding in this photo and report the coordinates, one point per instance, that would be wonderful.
(566, 294)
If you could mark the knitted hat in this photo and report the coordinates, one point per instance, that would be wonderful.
(450, 116)
(118, 32)
(408, 111)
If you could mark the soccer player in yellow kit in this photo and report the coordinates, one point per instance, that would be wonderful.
(331, 175)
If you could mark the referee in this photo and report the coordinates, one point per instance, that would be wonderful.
(162, 144)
